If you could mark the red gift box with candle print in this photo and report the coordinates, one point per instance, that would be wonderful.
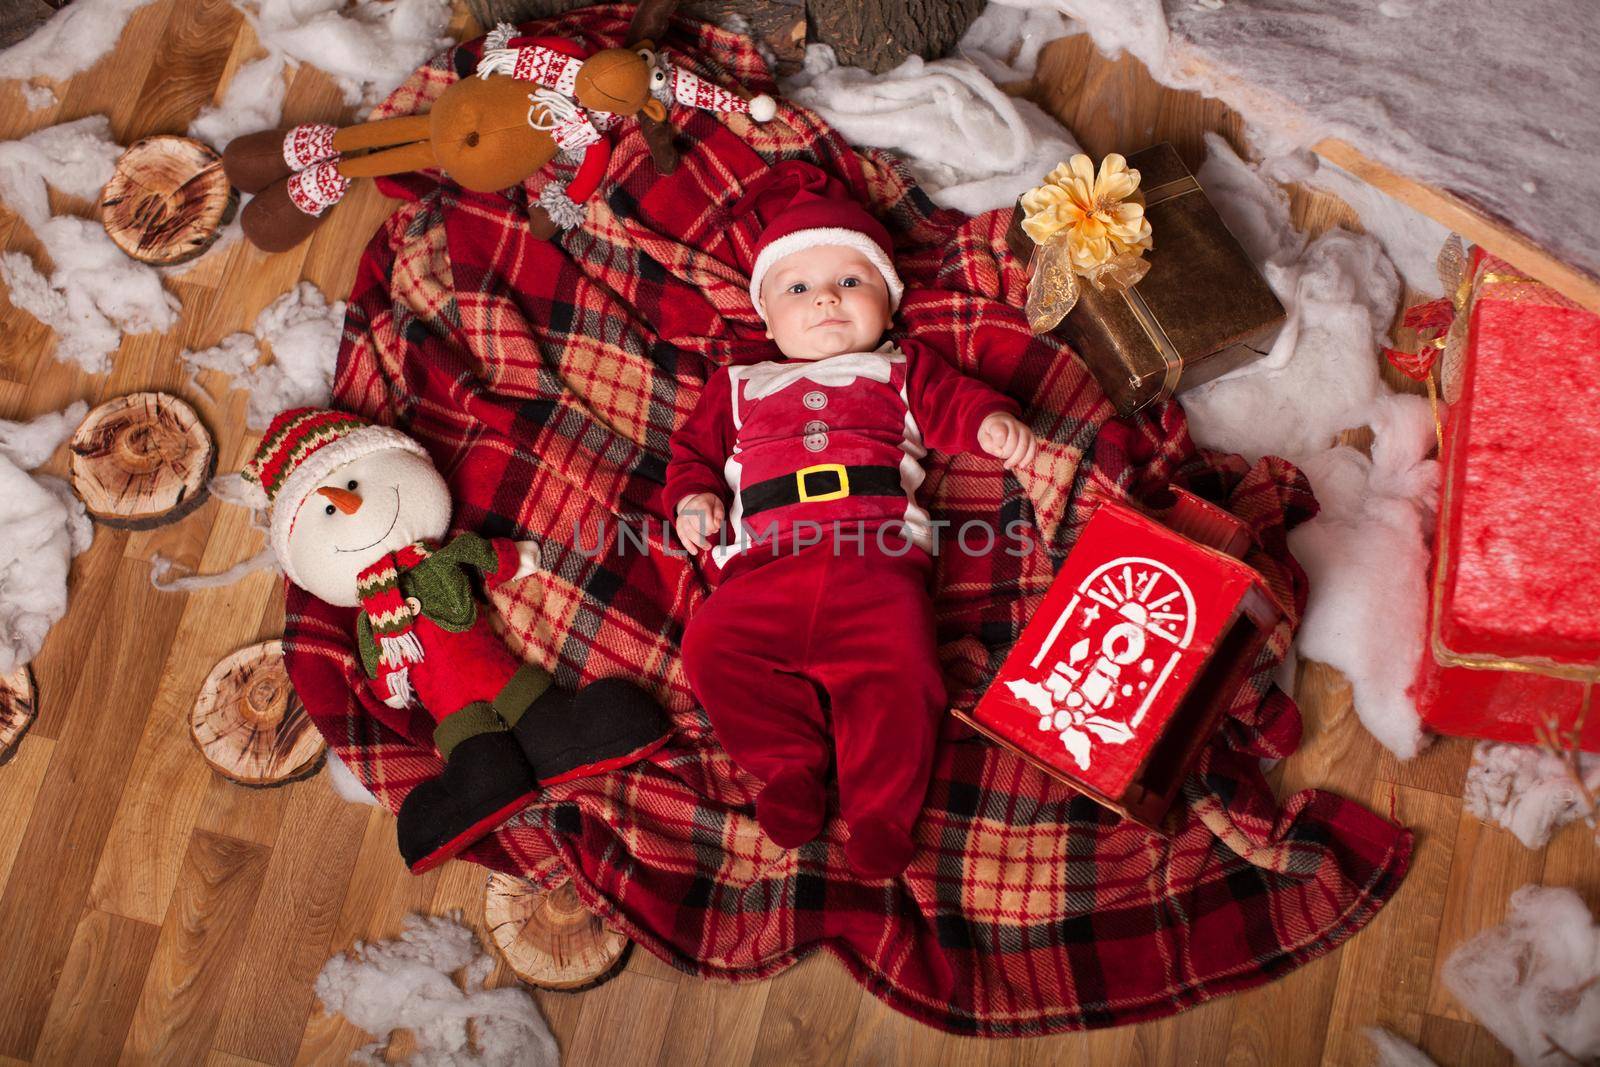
(1136, 653)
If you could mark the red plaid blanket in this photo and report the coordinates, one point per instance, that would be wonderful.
(546, 379)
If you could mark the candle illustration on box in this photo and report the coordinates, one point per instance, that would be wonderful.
(1135, 617)
(1141, 643)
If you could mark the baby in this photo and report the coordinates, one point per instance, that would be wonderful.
(812, 463)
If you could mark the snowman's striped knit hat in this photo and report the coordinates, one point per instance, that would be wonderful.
(300, 449)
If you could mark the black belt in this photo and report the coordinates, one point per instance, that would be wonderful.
(825, 481)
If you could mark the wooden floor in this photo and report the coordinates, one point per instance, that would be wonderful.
(150, 912)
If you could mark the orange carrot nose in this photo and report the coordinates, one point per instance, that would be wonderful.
(342, 499)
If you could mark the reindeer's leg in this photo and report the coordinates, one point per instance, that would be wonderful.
(398, 160)
(384, 133)
(285, 212)
(256, 160)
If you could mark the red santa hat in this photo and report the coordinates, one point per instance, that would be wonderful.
(801, 207)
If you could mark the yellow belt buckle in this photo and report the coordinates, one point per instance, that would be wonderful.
(837, 468)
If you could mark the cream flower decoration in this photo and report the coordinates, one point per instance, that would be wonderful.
(1091, 212)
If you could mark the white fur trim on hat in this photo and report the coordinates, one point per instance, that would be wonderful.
(302, 481)
(800, 240)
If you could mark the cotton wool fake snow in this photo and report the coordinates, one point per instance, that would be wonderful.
(1534, 981)
(303, 331)
(42, 526)
(368, 48)
(408, 983)
(94, 293)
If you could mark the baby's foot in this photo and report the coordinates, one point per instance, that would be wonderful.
(877, 849)
(791, 807)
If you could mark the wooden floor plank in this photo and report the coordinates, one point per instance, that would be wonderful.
(1494, 865)
(1384, 975)
(809, 1016)
(712, 1023)
(227, 1059)
(99, 989)
(381, 894)
(168, 782)
(1195, 1038)
(1440, 768)
(199, 951)
(54, 867)
(19, 788)
(623, 1023)
(291, 931)
(1285, 1021)
(1453, 1043)
(1572, 859)
(187, 64)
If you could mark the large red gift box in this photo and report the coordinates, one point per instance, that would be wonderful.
(1514, 611)
(1142, 641)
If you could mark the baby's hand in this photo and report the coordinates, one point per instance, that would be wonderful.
(1007, 439)
(699, 519)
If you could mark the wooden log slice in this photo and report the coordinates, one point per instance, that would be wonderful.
(19, 706)
(142, 460)
(778, 24)
(167, 200)
(19, 18)
(550, 939)
(880, 34)
(249, 724)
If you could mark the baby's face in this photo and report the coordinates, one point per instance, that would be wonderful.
(823, 302)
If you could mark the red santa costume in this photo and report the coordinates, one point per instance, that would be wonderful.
(823, 580)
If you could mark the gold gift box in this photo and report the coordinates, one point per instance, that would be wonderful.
(1202, 310)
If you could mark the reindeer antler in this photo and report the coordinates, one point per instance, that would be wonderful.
(649, 25)
(649, 22)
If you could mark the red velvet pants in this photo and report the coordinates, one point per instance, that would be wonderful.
(859, 624)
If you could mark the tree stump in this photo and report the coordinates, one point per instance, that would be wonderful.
(778, 24)
(249, 724)
(551, 940)
(167, 200)
(880, 34)
(142, 460)
(19, 18)
(19, 706)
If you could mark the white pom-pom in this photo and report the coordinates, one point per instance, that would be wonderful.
(763, 108)
(499, 37)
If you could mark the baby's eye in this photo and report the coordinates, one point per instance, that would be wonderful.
(797, 287)
(849, 282)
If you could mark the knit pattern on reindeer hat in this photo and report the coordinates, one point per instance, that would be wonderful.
(802, 207)
(301, 448)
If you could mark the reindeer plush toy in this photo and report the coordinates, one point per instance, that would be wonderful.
(533, 98)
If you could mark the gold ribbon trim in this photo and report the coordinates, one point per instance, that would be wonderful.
(1171, 190)
(1160, 339)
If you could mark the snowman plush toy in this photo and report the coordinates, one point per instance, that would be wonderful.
(359, 518)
